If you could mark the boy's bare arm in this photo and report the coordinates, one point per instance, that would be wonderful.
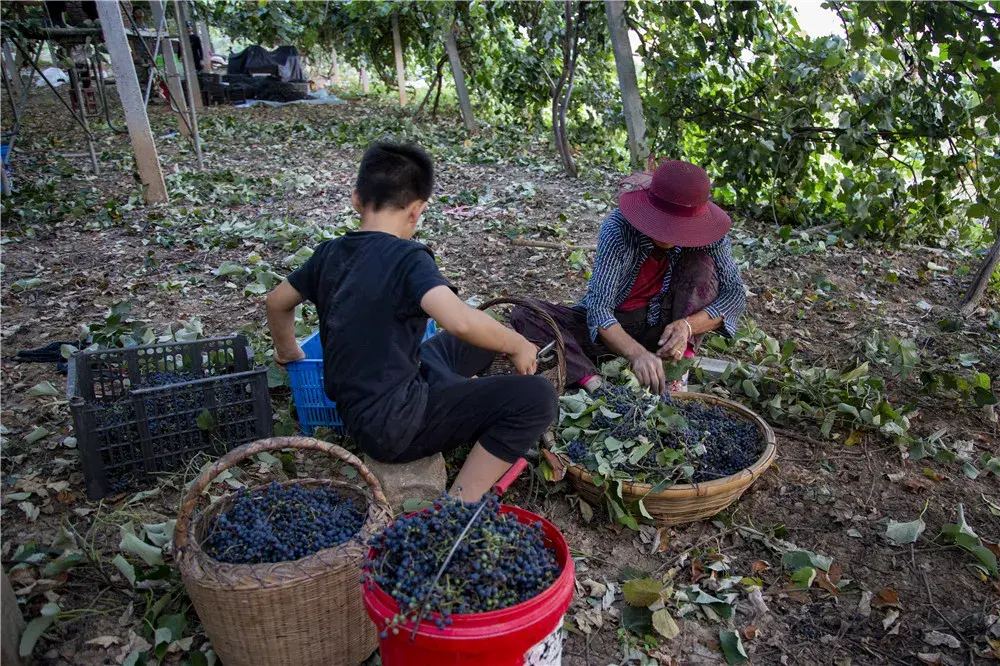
(478, 328)
(281, 305)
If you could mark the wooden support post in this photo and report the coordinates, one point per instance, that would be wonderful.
(206, 45)
(147, 161)
(459, 75)
(397, 48)
(363, 77)
(190, 71)
(174, 87)
(11, 625)
(191, 74)
(10, 70)
(635, 121)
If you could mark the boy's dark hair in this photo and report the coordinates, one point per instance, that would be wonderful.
(396, 175)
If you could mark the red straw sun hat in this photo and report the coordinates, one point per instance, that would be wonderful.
(675, 207)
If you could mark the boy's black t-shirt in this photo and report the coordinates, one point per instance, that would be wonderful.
(367, 286)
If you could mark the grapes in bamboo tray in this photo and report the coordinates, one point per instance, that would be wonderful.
(500, 563)
(623, 432)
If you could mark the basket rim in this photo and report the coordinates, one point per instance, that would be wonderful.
(744, 477)
(197, 565)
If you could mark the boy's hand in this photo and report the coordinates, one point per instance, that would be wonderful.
(523, 356)
(284, 357)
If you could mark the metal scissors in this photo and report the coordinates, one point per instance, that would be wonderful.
(546, 352)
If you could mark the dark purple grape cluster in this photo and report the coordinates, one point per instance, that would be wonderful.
(500, 562)
(577, 450)
(282, 523)
(731, 444)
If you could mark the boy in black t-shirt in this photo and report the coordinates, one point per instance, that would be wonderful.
(374, 288)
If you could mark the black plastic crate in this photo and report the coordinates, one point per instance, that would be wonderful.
(149, 409)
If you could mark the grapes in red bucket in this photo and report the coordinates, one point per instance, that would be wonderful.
(500, 562)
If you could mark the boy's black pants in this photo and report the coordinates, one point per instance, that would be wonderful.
(504, 413)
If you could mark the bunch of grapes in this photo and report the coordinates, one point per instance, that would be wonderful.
(282, 523)
(577, 450)
(500, 562)
(731, 444)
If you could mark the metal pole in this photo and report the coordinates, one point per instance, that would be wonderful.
(74, 78)
(192, 79)
(23, 103)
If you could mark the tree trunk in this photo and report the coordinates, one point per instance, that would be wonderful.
(982, 279)
(146, 158)
(459, 75)
(560, 100)
(635, 121)
(397, 49)
(434, 82)
(363, 77)
(334, 66)
(437, 98)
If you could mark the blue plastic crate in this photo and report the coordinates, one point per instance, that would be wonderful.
(306, 376)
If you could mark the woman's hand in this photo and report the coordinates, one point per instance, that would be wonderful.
(674, 340)
(648, 370)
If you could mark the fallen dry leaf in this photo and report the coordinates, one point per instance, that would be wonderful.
(885, 598)
(836, 573)
(104, 641)
(890, 618)
(865, 605)
(931, 658)
(940, 638)
(750, 633)
(558, 468)
(759, 567)
(915, 483)
(823, 580)
(696, 571)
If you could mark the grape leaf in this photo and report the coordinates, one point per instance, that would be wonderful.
(642, 591)
(732, 647)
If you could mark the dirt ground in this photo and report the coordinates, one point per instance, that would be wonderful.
(91, 243)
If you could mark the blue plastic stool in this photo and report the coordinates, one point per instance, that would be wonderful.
(308, 393)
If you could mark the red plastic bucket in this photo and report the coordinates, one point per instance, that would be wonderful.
(498, 638)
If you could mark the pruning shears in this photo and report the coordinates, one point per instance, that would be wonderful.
(545, 353)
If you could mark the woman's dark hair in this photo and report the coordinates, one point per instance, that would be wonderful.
(394, 175)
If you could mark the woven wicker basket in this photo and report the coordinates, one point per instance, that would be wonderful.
(501, 366)
(302, 613)
(686, 503)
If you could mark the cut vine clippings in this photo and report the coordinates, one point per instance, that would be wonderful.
(622, 432)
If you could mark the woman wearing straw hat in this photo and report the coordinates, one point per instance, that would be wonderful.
(664, 275)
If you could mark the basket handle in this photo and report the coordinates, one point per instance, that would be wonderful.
(557, 334)
(241, 453)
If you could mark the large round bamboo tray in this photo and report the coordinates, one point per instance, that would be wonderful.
(303, 613)
(686, 503)
(501, 366)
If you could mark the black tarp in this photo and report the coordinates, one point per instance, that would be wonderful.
(283, 63)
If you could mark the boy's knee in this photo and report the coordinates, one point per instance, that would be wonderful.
(539, 395)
